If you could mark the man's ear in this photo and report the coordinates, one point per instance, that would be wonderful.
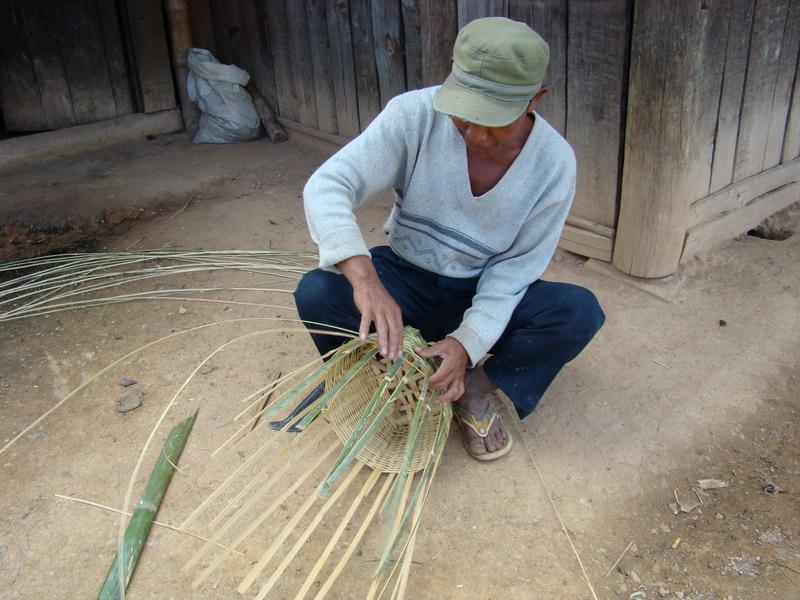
(539, 95)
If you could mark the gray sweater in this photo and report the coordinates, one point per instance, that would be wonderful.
(505, 237)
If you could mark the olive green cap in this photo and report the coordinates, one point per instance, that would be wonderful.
(498, 66)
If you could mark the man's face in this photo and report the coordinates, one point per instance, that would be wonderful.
(483, 140)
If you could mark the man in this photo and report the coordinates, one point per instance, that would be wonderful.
(483, 186)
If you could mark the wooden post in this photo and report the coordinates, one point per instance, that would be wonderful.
(677, 58)
(180, 34)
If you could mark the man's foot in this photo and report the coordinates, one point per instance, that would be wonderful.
(482, 432)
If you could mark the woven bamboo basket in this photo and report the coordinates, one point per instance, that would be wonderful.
(385, 450)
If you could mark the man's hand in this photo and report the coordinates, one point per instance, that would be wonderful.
(375, 304)
(449, 377)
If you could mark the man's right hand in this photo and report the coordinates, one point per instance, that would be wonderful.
(375, 304)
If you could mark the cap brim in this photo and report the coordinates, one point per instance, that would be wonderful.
(463, 103)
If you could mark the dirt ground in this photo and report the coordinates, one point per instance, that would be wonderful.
(704, 386)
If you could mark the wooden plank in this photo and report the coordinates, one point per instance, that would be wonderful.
(677, 54)
(740, 23)
(240, 53)
(367, 92)
(19, 90)
(730, 224)
(597, 61)
(791, 141)
(337, 14)
(585, 243)
(438, 30)
(741, 193)
(258, 47)
(302, 69)
(278, 34)
(152, 54)
(221, 32)
(388, 49)
(48, 65)
(413, 44)
(549, 19)
(202, 23)
(582, 223)
(321, 63)
(769, 20)
(469, 10)
(111, 31)
(784, 85)
(83, 53)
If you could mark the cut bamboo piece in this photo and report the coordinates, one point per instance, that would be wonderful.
(365, 490)
(287, 559)
(400, 588)
(143, 516)
(325, 587)
(255, 498)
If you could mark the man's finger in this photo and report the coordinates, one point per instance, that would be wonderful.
(395, 337)
(363, 328)
(383, 335)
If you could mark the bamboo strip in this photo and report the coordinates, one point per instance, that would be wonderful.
(400, 588)
(365, 490)
(264, 515)
(250, 502)
(373, 588)
(325, 587)
(287, 559)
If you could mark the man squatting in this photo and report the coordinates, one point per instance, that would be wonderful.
(483, 185)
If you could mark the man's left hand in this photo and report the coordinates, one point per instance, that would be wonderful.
(449, 377)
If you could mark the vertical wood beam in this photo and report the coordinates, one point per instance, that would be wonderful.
(438, 30)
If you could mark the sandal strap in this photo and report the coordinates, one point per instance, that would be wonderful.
(480, 425)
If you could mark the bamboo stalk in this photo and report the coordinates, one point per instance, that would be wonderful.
(143, 516)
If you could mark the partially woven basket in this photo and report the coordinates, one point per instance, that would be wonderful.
(386, 448)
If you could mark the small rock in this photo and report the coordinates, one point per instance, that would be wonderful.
(723, 323)
(182, 310)
(663, 592)
(679, 595)
(711, 484)
(127, 382)
(673, 508)
(720, 516)
(129, 401)
(206, 369)
(773, 536)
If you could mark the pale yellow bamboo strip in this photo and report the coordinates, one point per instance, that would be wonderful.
(250, 502)
(289, 557)
(128, 514)
(400, 588)
(265, 514)
(255, 571)
(365, 490)
(325, 588)
(395, 528)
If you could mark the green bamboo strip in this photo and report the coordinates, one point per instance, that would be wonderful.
(301, 540)
(351, 510)
(351, 547)
(143, 516)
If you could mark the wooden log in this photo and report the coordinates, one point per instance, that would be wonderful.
(677, 54)
(386, 29)
(769, 21)
(259, 48)
(20, 98)
(413, 44)
(549, 19)
(740, 22)
(469, 10)
(438, 30)
(744, 204)
(149, 40)
(277, 26)
(275, 131)
(321, 66)
(302, 69)
(367, 92)
(597, 56)
(109, 16)
(784, 84)
(343, 75)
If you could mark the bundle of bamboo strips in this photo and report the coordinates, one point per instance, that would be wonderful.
(272, 476)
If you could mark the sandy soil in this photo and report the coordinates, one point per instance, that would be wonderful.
(664, 396)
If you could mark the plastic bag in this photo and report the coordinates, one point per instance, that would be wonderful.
(227, 111)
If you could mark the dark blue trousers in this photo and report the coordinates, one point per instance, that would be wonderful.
(550, 326)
